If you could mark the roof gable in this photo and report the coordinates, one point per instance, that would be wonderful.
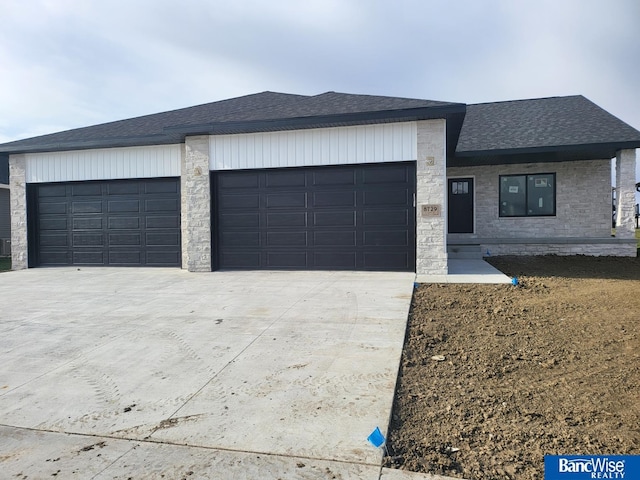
(541, 125)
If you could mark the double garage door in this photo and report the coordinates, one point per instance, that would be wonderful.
(341, 217)
(115, 222)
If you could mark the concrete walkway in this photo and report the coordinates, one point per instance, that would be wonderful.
(158, 373)
(467, 271)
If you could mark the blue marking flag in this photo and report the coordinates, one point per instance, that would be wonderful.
(376, 438)
(579, 467)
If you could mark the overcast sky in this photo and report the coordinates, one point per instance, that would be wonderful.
(73, 63)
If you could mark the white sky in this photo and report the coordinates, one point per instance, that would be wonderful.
(73, 63)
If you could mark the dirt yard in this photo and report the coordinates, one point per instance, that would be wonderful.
(493, 377)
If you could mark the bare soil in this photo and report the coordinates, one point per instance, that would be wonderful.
(551, 366)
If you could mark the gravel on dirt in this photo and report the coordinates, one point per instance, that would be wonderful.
(494, 377)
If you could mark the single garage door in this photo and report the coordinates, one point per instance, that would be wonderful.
(115, 222)
(356, 217)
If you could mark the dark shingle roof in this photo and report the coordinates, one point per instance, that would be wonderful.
(266, 111)
(557, 128)
(538, 126)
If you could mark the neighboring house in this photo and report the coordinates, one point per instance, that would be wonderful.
(5, 215)
(332, 181)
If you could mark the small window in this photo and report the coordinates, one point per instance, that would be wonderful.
(460, 187)
(528, 195)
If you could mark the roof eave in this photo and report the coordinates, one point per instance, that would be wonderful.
(560, 153)
(138, 141)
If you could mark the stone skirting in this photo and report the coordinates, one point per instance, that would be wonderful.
(596, 247)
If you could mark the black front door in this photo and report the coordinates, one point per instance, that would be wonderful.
(460, 205)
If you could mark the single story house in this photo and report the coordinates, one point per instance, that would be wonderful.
(331, 181)
(5, 216)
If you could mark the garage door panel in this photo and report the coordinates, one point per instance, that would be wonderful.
(334, 219)
(240, 201)
(86, 189)
(54, 240)
(163, 222)
(159, 239)
(56, 258)
(240, 259)
(387, 197)
(118, 239)
(298, 219)
(161, 186)
(335, 260)
(162, 258)
(53, 208)
(286, 259)
(334, 239)
(334, 177)
(387, 174)
(240, 220)
(358, 217)
(162, 205)
(286, 200)
(124, 258)
(240, 239)
(53, 224)
(86, 207)
(123, 206)
(388, 261)
(124, 223)
(129, 188)
(82, 239)
(386, 238)
(52, 191)
(103, 223)
(287, 239)
(88, 258)
(334, 199)
(294, 178)
(386, 217)
(87, 223)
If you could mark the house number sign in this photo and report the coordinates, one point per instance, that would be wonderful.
(431, 210)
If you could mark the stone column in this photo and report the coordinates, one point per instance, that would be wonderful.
(195, 193)
(431, 214)
(18, 196)
(625, 193)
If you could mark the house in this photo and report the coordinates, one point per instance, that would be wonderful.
(331, 181)
(5, 216)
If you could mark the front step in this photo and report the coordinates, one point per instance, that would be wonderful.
(464, 252)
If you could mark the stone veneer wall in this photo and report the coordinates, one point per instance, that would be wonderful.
(582, 224)
(195, 193)
(626, 194)
(18, 185)
(431, 240)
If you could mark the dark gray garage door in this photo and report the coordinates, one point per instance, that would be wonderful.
(343, 217)
(116, 222)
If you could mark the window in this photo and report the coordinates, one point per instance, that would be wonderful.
(459, 187)
(528, 195)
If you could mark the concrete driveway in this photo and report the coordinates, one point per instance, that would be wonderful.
(159, 373)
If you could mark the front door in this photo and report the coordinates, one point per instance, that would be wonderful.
(460, 205)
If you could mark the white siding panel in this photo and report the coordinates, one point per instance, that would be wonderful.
(391, 142)
(104, 164)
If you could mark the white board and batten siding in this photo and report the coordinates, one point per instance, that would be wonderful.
(104, 164)
(390, 142)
